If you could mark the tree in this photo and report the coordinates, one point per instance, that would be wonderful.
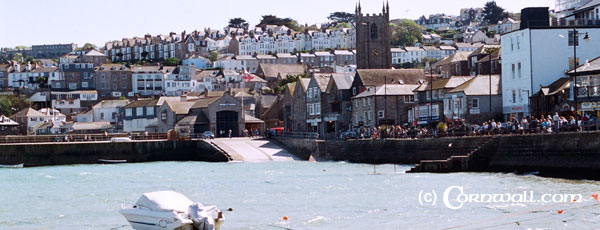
(21, 47)
(9, 105)
(274, 20)
(172, 61)
(406, 33)
(340, 17)
(238, 23)
(89, 46)
(214, 56)
(18, 57)
(492, 13)
(42, 82)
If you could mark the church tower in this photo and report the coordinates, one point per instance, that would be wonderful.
(373, 47)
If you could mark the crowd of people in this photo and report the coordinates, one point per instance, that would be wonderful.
(528, 124)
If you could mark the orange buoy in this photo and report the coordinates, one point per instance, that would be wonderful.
(285, 218)
(595, 196)
(560, 211)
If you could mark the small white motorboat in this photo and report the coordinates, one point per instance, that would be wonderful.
(171, 210)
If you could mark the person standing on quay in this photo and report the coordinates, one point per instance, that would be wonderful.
(556, 120)
(230, 134)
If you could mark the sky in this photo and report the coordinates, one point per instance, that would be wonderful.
(99, 21)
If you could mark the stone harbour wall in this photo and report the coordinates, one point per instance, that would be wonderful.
(45, 154)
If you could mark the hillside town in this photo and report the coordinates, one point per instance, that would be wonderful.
(351, 77)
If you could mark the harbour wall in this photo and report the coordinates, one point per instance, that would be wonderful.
(388, 151)
(565, 155)
(45, 154)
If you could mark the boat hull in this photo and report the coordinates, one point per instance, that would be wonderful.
(152, 220)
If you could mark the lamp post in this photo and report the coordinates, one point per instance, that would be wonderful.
(384, 97)
(430, 92)
(575, 64)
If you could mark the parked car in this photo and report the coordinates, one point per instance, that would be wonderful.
(120, 139)
(349, 135)
(270, 133)
(208, 135)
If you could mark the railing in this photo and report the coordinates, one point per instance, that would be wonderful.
(80, 137)
(301, 135)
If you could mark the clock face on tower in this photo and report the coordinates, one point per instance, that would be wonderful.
(374, 52)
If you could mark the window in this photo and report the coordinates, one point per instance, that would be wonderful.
(72, 85)
(573, 38)
(512, 46)
(519, 69)
(475, 103)
(317, 109)
(101, 116)
(128, 112)
(84, 84)
(513, 71)
(373, 31)
(428, 95)
(163, 116)
(150, 111)
(409, 99)
(369, 101)
(370, 115)
(381, 114)
(139, 111)
(514, 96)
(364, 102)
(356, 103)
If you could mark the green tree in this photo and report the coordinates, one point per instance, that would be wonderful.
(9, 105)
(406, 33)
(274, 20)
(214, 56)
(340, 17)
(18, 57)
(172, 61)
(42, 82)
(21, 47)
(492, 13)
(238, 23)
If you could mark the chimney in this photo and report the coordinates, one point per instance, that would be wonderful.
(172, 34)
(183, 35)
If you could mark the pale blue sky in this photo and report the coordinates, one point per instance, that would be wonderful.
(99, 21)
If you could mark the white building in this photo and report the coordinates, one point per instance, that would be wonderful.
(535, 57)
(179, 80)
(397, 54)
(73, 102)
(148, 80)
(414, 54)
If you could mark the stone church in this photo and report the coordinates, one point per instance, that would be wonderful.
(373, 35)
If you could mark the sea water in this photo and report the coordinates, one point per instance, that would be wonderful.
(312, 195)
